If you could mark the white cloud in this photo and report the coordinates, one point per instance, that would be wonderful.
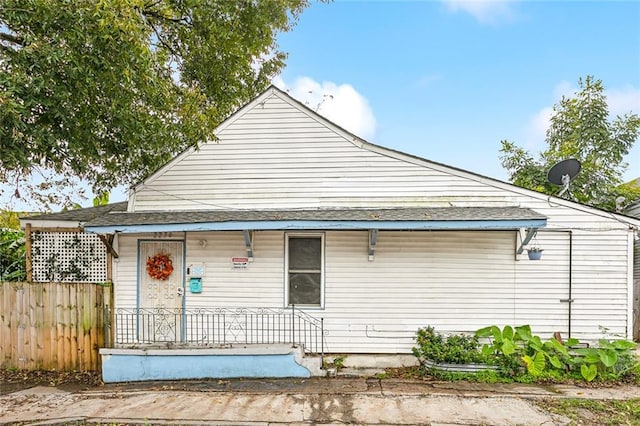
(564, 88)
(340, 103)
(623, 101)
(484, 11)
(537, 129)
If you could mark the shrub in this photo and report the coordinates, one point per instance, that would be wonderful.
(12, 255)
(454, 349)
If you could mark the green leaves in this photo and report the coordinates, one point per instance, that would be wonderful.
(555, 362)
(580, 128)
(487, 331)
(12, 248)
(588, 372)
(524, 332)
(589, 355)
(109, 91)
(457, 348)
(616, 344)
(517, 349)
(608, 357)
(535, 365)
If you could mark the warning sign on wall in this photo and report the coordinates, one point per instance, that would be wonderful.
(240, 262)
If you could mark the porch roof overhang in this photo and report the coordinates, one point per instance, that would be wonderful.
(436, 218)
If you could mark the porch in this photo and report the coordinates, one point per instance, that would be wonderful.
(170, 344)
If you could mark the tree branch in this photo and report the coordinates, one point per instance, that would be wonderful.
(162, 42)
(11, 38)
(148, 13)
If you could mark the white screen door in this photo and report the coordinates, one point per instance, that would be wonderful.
(161, 291)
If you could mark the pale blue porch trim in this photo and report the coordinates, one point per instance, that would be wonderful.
(504, 224)
(131, 365)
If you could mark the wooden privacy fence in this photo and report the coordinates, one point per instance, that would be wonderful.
(52, 325)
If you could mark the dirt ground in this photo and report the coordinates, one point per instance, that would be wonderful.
(12, 380)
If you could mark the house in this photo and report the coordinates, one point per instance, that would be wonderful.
(290, 229)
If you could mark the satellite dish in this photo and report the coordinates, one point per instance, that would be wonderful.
(563, 172)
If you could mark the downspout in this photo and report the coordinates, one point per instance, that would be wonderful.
(570, 300)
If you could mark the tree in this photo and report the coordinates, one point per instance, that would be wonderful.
(580, 129)
(12, 248)
(108, 90)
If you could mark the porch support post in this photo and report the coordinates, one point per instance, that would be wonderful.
(107, 240)
(373, 240)
(525, 235)
(248, 242)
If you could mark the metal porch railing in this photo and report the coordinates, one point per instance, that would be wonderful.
(214, 327)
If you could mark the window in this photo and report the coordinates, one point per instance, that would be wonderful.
(305, 269)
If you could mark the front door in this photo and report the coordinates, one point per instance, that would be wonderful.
(161, 288)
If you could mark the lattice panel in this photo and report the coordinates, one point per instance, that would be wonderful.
(68, 257)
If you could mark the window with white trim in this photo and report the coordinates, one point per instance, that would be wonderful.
(305, 269)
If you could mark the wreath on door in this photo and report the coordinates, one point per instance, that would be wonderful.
(160, 266)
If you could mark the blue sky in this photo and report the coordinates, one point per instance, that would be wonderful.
(448, 80)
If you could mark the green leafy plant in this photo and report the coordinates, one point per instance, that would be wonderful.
(611, 359)
(455, 349)
(12, 248)
(519, 350)
(338, 361)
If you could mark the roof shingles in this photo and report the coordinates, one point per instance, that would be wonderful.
(397, 214)
(80, 215)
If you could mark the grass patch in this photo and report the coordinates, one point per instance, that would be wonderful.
(589, 411)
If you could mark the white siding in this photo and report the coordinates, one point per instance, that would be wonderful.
(276, 156)
(456, 281)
